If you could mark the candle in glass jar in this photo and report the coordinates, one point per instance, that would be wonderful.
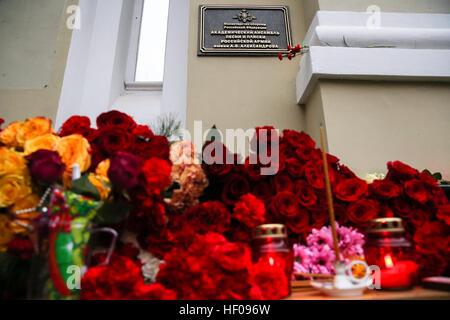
(387, 248)
(270, 248)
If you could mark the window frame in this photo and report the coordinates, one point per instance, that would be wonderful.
(130, 74)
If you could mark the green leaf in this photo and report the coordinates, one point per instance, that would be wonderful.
(112, 212)
(169, 192)
(84, 187)
(437, 176)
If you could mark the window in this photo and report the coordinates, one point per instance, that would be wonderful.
(148, 45)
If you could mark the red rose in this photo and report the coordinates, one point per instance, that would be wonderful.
(298, 223)
(430, 264)
(239, 233)
(21, 247)
(252, 170)
(46, 166)
(263, 139)
(346, 171)
(418, 218)
(294, 168)
(351, 189)
(224, 273)
(305, 193)
(432, 238)
(97, 156)
(231, 256)
(124, 170)
(211, 216)
(286, 150)
(116, 119)
(416, 190)
(75, 124)
(250, 211)
(319, 216)
(157, 243)
(340, 214)
(215, 152)
(2, 121)
(386, 212)
(143, 135)
(284, 205)
(308, 154)
(400, 171)
(79, 125)
(154, 291)
(235, 187)
(263, 190)
(428, 180)
(143, 132)
(157, 147)
(282, 182)
(114, 281)
(113, 139)
(315, 176)
(361, 211)
(332, 159)
(402, 207)
(156, 173)
(298, 139)
(129, 250)
(272, 282)
(385, 189)
(444, 213)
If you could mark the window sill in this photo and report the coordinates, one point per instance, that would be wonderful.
(144, 86)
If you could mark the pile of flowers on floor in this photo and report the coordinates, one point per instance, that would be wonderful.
(186, 226)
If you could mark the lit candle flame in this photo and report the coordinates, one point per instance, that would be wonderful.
(271, 261)
(388, 261)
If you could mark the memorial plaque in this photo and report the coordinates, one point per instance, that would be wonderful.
(243, 30)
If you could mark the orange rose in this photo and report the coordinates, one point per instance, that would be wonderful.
(11, 162)
(102, 185)
(9, 135)
(74, 149)
(32, 128)
(5, 234)
(102, 169)
(47, 142)
(12, 188)
(21, 220)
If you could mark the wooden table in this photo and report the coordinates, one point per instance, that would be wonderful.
(418, 293)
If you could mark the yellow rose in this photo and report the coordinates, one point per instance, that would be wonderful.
(74, 149)
(11, 162)
(101, 185)
(12, 188)
(9, 135)
(21, 220)
(102, 169)
(32, 128)
(5, 234)
(47, 142)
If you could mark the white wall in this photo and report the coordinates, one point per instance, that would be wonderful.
(96, 66)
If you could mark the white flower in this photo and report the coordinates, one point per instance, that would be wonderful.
(370, 177)
(150, 265)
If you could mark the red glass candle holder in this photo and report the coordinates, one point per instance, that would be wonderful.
(270, 247)
(387, 248)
